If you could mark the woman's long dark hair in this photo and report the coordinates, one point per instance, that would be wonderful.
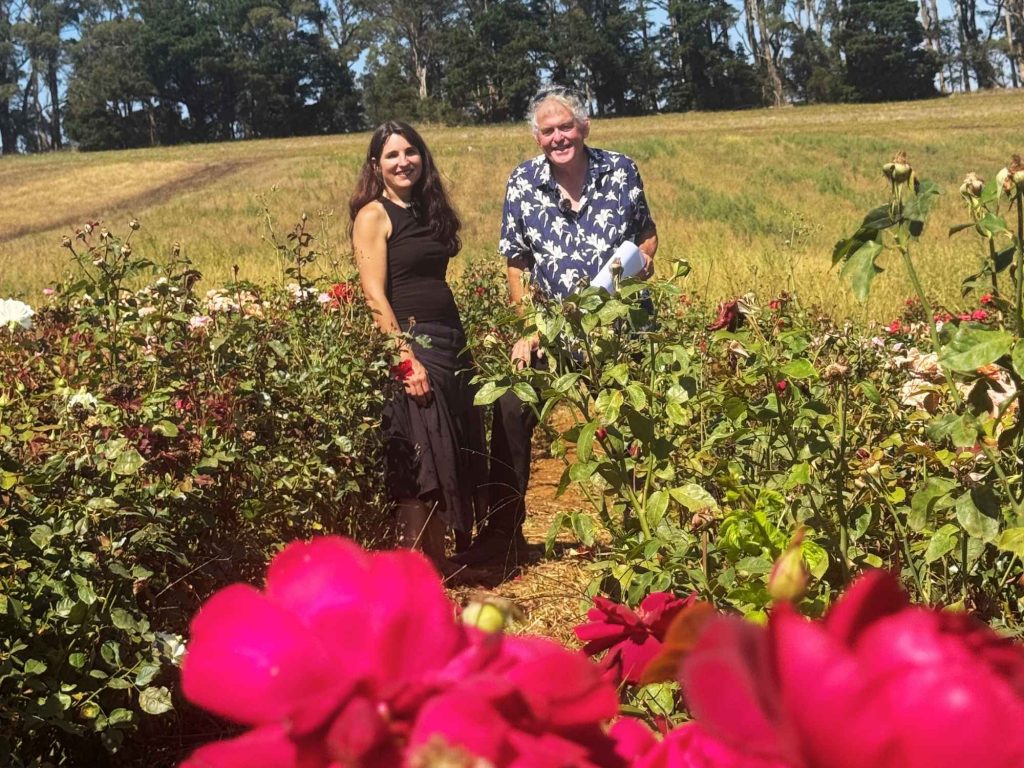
(429, 198)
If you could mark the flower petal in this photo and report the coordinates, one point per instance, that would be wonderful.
(266, 747)
(253, 662)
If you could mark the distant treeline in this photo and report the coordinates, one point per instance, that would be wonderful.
(105, 74)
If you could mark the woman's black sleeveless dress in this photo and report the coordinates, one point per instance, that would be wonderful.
(434, 452)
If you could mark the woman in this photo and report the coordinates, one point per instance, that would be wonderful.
(404, 230)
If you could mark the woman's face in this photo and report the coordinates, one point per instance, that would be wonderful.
(401, 166)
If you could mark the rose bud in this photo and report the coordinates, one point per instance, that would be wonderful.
(788, 578)
(65, 241)
(126, 250)
(601, 433)
(488, 615)
(134, 224)
(972, 186)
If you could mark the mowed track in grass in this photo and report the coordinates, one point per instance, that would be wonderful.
(754, 200)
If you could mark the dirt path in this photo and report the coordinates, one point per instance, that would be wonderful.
(551, 591)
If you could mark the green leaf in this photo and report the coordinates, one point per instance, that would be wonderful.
(1012, 540)
(488, 393)
(525, 392)
(165, 428)
(77, 660)
(861, 268)
(978, 512)
(128, 462)
(694, 497)
(972, 348)
(564, 383)
(41, 536)
(120, 715)
(122, 619)
(933, 495)
(816, 558)
(878, 218)
(942, 543)
(960, 228)
(34, 667)
(155, 701)
(583, 528)
(585, 441)
(583, 471)
(657, 506)
(870, 391)
(991, 224)
(799, 369)
(1017, 356)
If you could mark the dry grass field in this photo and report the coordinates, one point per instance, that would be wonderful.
(753, 199)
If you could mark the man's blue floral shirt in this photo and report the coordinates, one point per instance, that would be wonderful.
(560, 248)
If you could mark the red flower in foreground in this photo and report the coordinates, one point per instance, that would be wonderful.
(402, 371)
(781, 385)
(632, 638)
(986, 298)
(877, 684)
(894, 327)
(340, 293)
(354, 659)
(980, 315)
(690, 746)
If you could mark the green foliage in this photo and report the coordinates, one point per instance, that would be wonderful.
(882, 44)
(155, 445)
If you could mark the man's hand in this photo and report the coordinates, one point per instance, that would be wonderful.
(648, 269)
(522, 351)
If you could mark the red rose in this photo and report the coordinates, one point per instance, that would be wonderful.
(402, 371)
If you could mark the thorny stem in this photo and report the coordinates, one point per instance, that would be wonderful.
(1018, 276)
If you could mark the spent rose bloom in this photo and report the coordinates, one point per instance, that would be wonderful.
(199, 323)
(729, 317)
(878, 683)
(632, 638)
(348, 658)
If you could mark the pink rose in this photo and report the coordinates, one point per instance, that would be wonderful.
(348, 658)
(877, 684)
(690, 746)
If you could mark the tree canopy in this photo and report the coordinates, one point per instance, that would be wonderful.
(128, 73)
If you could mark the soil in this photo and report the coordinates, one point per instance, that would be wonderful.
(548, 592)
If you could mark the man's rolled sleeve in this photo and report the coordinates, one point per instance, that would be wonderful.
(642, 219)
(512, 244)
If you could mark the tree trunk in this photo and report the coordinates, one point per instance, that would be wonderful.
(768, 57)
(56, 141)
(1010, 10)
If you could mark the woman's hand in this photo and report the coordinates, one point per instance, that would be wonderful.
(417, 382)
(522, 351)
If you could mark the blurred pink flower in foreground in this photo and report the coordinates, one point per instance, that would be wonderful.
(353, 659)
(877, 684)
(632, 638)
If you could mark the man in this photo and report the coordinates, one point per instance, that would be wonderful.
(566, 212)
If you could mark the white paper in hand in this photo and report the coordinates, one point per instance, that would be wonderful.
(632, 262)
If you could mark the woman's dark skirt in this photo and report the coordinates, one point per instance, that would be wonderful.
(435, 452)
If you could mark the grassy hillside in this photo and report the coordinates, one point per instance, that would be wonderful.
(753, 199)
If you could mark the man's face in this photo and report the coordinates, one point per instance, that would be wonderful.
(559, 135)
